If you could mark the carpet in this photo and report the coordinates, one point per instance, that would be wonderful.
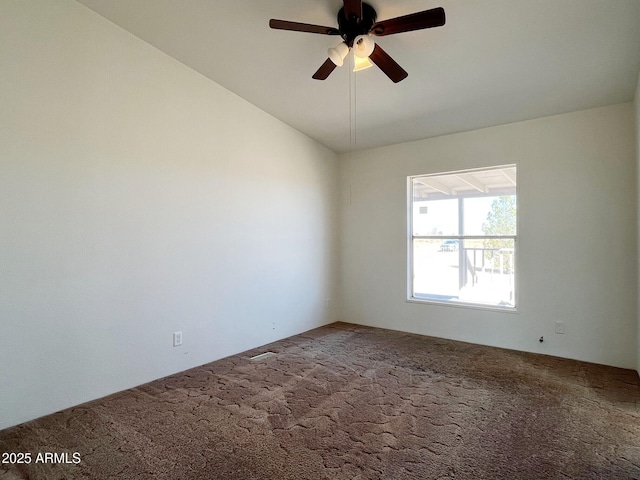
(350, 402)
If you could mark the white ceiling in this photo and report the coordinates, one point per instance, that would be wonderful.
(494, 62)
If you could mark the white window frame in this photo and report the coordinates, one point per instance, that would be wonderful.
(411, 238)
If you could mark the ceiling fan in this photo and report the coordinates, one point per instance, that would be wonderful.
(356, 24)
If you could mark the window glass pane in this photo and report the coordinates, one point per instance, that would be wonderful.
(490, 215)
(436, 269)
(471, 271)
(488, 272)
(435, 217)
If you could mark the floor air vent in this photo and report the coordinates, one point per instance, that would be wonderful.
(262, 356)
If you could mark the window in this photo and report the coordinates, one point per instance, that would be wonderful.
(462, 237)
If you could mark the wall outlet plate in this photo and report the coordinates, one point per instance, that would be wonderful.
(559, 327)
(177, 339)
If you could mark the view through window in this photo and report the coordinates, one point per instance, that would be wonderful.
(462, 237)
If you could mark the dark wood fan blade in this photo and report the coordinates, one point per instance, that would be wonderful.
(415, 21)
(325, 70)
(388, 65)
(302, 27)
(353, 8)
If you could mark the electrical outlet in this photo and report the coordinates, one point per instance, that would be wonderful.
(560, 327)
(177, 339)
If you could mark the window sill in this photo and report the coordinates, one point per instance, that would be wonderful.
(470, 306)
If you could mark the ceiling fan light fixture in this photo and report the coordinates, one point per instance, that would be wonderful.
(357, 21)
(361, 63)
(338, 53)
(363, 46)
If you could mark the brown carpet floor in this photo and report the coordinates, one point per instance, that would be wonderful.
(350, 402)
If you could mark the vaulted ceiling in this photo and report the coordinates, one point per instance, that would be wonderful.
(494, 62)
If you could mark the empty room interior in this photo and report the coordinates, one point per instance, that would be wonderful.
(319, 239)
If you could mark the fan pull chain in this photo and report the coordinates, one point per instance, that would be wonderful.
(352, 114)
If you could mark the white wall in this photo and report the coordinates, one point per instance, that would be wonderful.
(138, 198)
(636, 104)
(577, 235)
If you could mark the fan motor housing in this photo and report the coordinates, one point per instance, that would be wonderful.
(350, 28)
